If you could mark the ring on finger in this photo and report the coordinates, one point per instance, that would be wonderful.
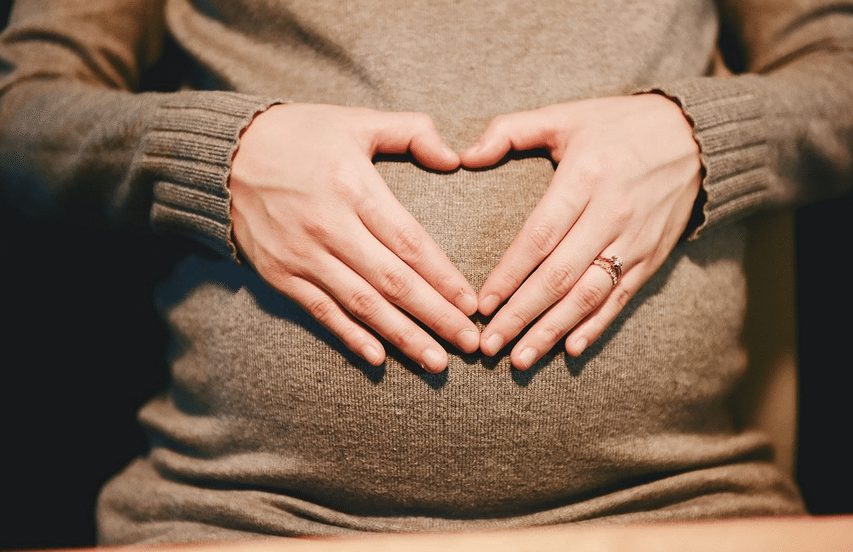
(612, 265)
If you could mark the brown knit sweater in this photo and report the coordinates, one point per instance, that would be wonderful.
(269, 425)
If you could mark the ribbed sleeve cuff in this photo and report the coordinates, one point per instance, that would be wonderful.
(728, 124)
(188, 151)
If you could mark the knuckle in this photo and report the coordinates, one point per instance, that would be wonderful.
(364, 305)
(439, 320)
(405, 338)
(588, 298)
(407, 243)
(302, 251)
(318, 228)
(338, 178)
(558, 279)
(621, 214)
(592, 171)
(267, 266)
(519, 318)
(345, 184)
(369, 205)
(392, 281)
(621, 296)
(509, 280)
(322, 309)
(551, 333)
(543, 238)
(353, 336)
(271, 267)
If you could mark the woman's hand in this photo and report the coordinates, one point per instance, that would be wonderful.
(627, 177)
(317, 222)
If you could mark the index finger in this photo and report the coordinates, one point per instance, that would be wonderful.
(395, 227)
(548, 223)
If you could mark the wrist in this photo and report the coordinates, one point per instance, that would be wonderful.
(687, 129)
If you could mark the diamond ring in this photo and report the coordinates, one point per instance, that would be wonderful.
(611, 265)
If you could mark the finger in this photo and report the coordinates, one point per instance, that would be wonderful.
(399, 132)
(587, 295)
(551, 281)
(402, 286)
(591, 329)
(400, 232)
(513, 131)
(546, 225)
(368, 305)
(329, 313)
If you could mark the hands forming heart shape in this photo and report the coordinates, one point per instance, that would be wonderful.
(321, 226)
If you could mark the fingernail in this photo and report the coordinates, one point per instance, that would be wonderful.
(580, 345)
(433, 360)
(372, 354)
(489, 303)
(467, 302)
(494, 344)
(469, 340)
(527, 357)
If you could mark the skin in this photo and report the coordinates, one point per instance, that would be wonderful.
(321, 226)
(627, 177)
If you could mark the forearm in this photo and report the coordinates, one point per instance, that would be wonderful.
(75, 138)
(122, 157)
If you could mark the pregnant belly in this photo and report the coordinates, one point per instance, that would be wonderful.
(264, 397)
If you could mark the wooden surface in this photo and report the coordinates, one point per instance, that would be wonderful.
(802, 534)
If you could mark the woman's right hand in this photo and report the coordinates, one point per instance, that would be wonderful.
(314, 218)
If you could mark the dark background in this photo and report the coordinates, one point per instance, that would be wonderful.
(84, 349)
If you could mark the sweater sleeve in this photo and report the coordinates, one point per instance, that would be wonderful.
(781, 131)
(76, 138)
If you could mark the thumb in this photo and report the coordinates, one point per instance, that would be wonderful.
(523, 130)
(399, 132)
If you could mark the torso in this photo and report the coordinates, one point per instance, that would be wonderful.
(265, 403)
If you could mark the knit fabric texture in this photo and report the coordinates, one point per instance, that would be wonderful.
(269, 425)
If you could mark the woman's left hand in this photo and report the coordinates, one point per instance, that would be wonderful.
(628, 175)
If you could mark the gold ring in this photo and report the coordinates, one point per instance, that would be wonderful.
(612, 265)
